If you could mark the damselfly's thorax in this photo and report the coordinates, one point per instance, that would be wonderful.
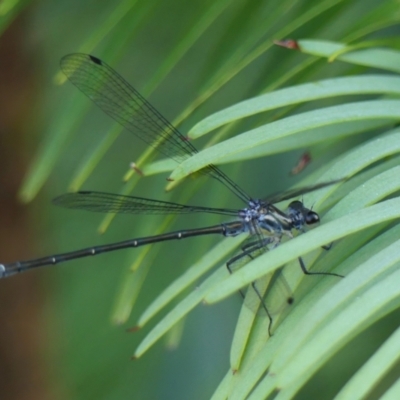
(274, 221)
(252, 212)
(261, 216)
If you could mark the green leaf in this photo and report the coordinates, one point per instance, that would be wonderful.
(9, 9)
(318, 309)
(367, 110)
(355, 85)
(179, 311)
(372, 372)
(192, 274)
(393, 392)
(48, 154)
(386, 59)
(366, 308)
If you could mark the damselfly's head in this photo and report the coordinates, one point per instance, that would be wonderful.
(301, 215)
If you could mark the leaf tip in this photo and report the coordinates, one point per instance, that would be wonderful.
(133, 329)
(288, 44)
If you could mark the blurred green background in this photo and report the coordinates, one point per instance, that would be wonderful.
(59, 339)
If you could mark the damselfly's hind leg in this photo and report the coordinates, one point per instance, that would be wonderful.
(252, 250)
(307, 272)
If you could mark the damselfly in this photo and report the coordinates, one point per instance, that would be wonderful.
(260, 219)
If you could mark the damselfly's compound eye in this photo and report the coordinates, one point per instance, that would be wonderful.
(312, 218)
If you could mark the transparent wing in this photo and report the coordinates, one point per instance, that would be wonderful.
(117, 98)
(289, 194)
(116, 203)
